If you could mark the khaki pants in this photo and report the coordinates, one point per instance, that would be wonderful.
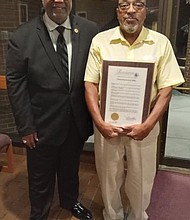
(137, 184)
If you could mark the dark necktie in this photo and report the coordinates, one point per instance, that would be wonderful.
(62, 51)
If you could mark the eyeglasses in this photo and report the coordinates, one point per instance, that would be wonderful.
(136, 5)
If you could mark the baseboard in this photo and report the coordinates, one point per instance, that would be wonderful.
(87, 156)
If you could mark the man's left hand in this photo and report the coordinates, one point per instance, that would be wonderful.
(137, 132)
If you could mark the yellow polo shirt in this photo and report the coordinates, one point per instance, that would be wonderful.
(150, 46)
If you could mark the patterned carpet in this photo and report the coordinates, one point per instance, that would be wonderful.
(170, 197)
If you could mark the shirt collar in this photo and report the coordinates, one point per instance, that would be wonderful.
(144, 36)
(51, 25)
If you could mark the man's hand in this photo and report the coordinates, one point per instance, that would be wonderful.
(30, 140)
(109, 131)
(137, 132)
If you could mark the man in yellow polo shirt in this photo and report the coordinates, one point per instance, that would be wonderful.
(130, 41)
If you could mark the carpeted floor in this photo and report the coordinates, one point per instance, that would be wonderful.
(170, 197)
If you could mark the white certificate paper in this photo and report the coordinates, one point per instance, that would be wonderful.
(126, 89)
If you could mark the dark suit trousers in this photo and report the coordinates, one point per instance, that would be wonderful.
(45, 163)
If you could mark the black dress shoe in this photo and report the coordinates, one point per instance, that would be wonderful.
(80, 212)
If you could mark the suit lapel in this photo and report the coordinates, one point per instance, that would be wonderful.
(48, 47)
(75, 36)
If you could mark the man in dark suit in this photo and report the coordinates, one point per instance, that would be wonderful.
(50, 109)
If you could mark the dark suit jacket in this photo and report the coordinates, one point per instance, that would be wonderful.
(40, 96)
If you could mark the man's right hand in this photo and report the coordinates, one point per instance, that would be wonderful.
(109, 131)
(30, 140)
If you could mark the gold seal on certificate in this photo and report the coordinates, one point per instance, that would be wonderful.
(126, 91)
(115, 116)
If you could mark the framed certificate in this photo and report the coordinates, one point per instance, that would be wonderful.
(125, 92)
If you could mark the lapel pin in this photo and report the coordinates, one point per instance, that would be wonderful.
(76, 30)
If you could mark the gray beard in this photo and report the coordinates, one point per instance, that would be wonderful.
(129, 28)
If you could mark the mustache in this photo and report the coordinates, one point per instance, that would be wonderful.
(130, 17)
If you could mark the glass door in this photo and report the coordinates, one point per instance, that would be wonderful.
(175, 136)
